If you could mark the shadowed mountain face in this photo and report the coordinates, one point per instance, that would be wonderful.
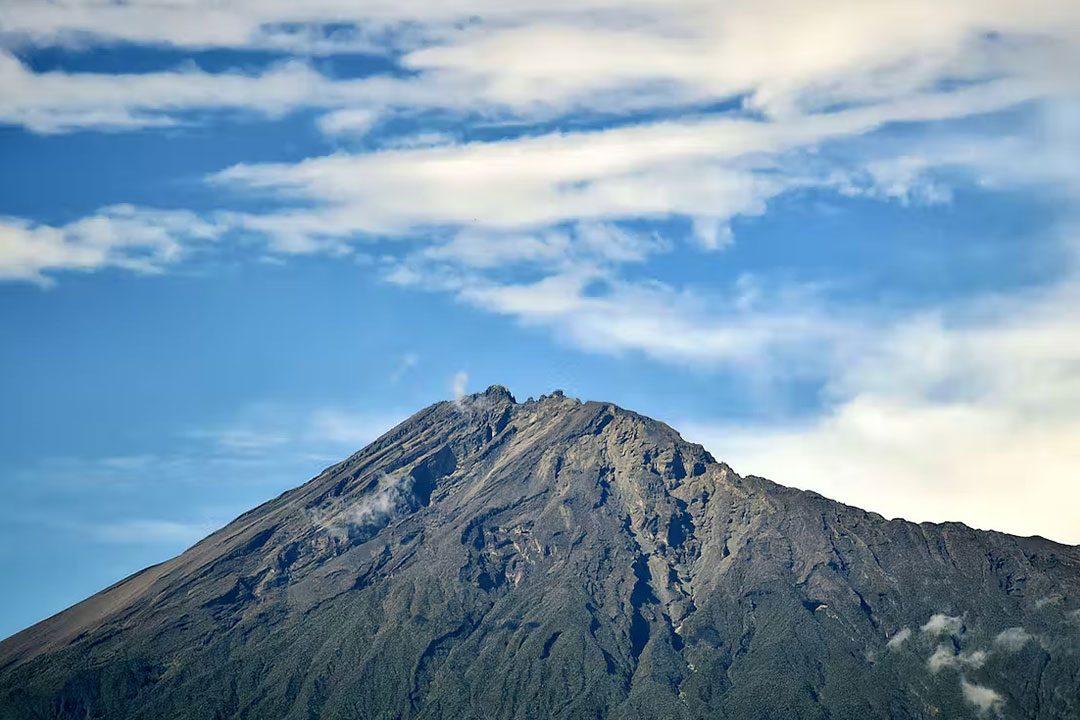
(494, 559)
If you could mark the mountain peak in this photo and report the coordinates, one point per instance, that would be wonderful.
(499, 391)
(488, 558)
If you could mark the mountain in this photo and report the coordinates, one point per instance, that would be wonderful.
(558, 559)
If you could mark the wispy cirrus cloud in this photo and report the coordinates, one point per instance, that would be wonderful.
(797, 93)
(143, 500)
(407, 362)
(781, 53)
(124, 237)
(58, 101)
(526, 60)
(147, 531)
(710, 169)
(271, 430)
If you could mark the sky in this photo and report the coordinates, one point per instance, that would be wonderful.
(835, 241)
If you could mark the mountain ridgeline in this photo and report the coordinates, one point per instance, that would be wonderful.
(558, 559)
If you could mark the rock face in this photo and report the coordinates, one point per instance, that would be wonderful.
(495, 559)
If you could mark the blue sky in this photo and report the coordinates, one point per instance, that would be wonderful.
(835, 242)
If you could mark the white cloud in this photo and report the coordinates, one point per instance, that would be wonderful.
(348, 430)
(351, 121)
(505, 197)
(382, 502)
(1046, 600)
(600, 313)
(706, 169)
(133, 239)
(247, 440)
(239, 23)
(269, 430)
(984, 699)
(968, 413)
(147, 531)
(471, 262)
(945, 657)
(406, 362)
(783, 54)
(942, 624)
(1012, 639)
(898, 639)
(59, 101)
(787, 56)
(485, 250)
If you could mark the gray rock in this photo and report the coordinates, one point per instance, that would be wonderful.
(559, 559)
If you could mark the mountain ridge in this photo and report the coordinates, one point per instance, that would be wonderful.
(484, 549)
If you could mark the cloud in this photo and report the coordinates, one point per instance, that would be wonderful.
(203, 23)
(267, 430)
(1054, 599)
(484, 250)
(1012, 639)
(984, 699)
(597, 312)
(387, 498)
(709, 170)
(936, 414)
(942, 624)
(474, 262)
(459, 385)
(352, 121)
(58, 101)
(502, 200)
(560, 204)
(121, 237)
(148, 532)
(405, 363)
(898, 639)
(346, 429)
(133, 499)
(782, 55)
(945, 657)
(245, 440)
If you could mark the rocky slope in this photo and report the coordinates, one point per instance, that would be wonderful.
(495, 559)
